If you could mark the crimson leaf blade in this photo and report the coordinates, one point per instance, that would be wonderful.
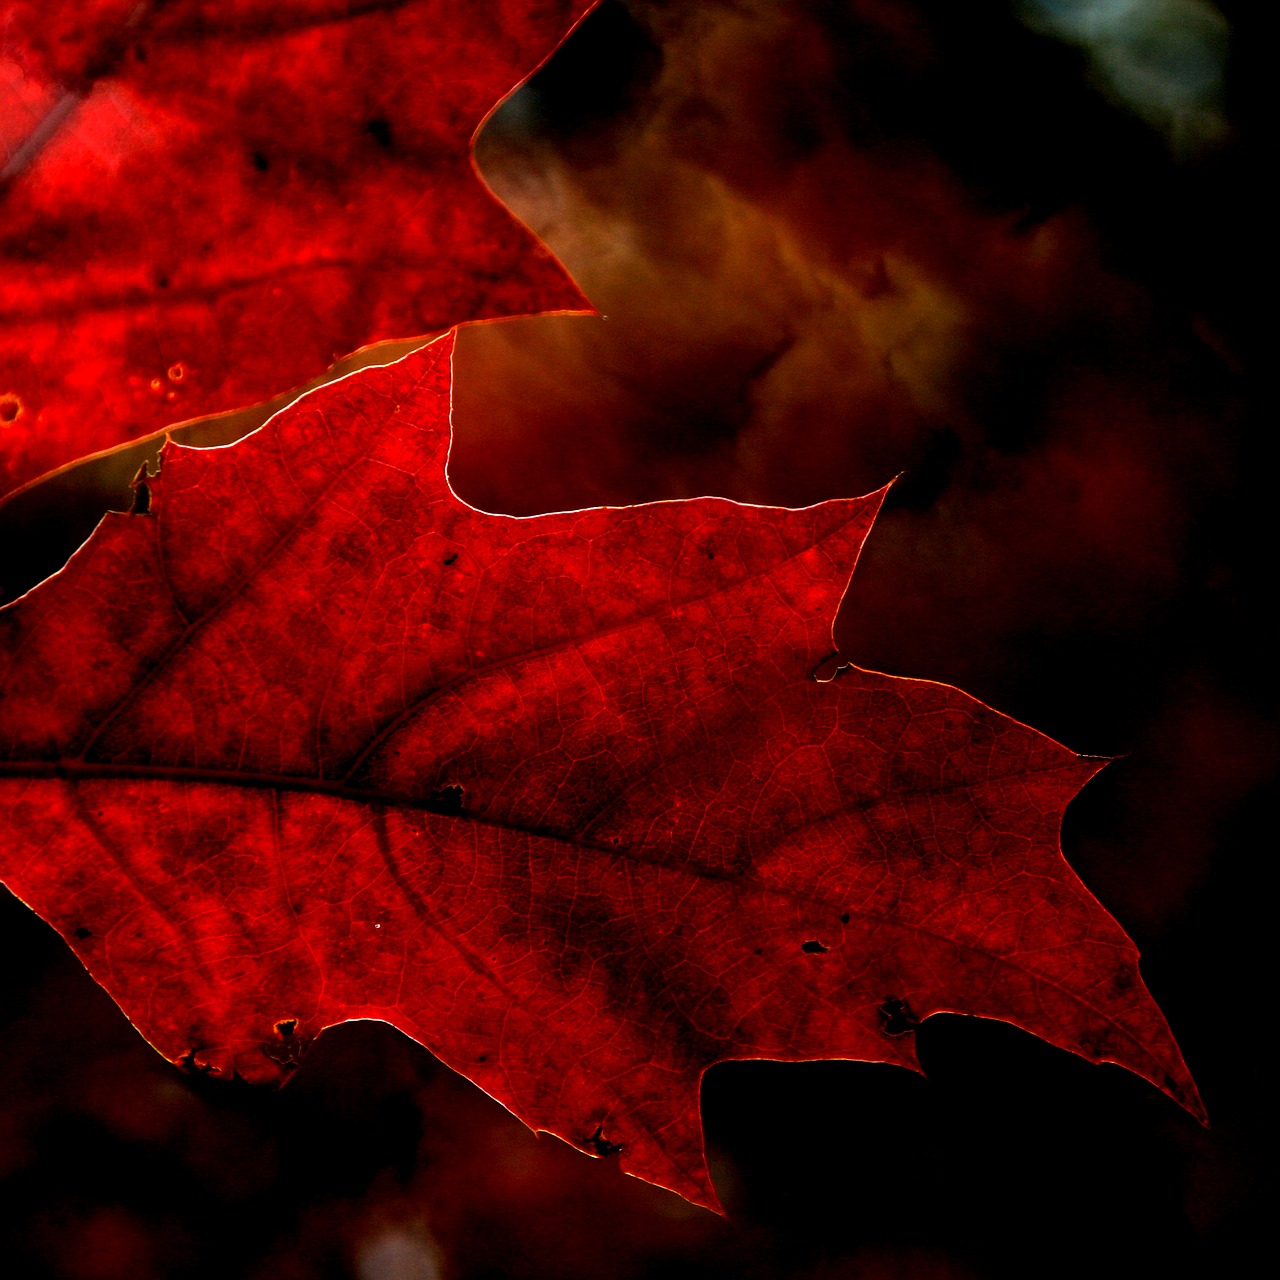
(559, 796)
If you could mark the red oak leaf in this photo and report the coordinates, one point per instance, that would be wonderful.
(204, 204)
(558, 796)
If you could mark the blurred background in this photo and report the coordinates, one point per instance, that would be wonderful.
(1008, 251)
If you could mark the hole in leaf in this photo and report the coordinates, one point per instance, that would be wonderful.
(10, 408)
(844, 917)
(896, 1018)
(451, 558)
(141, 505)
(813, 947)
(600, 1144)
(82, 933)
(446, 800)
(286, 1049)
(192, 1062)
(830, 669)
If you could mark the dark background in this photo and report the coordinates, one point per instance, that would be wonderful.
(834, 242)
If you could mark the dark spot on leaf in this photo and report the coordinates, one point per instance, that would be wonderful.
(484, 1057)
(451, 558)
(813, 947)
(759, 951)
(10, 408)
(161, 279)
(82, 933)
(380, 131)
(844, 917)
(600, 1144)
(896, 1018)
(446, 800)
(260, 162)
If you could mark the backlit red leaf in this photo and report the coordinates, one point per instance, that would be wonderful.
(559, 797)
(205, 204)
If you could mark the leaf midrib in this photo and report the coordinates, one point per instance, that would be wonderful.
(73, 770)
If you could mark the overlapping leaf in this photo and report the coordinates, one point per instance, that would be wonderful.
(204, 204)
(559, 796)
